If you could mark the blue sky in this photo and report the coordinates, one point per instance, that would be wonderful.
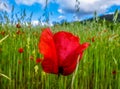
(61, 9)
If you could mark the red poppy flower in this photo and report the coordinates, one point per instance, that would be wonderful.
(93, 39)
(18, 32)
(114, 72)
(20, 50)
(38, 60)
(18, 25)
(60, 51)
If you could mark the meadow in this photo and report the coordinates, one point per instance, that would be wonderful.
(99, 68)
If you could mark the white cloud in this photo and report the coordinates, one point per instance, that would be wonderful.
(61, 11)
(61, 17)
(87, 6)
(31, 2)
(35, 22)
(4, 6)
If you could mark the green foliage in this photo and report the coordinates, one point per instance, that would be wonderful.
(98, 69)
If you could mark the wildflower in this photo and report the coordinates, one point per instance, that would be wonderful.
(20, 50)
(38, 60)
(61, 51)
(93, 39)
(18, 25)
(114, 72)
(18, 32)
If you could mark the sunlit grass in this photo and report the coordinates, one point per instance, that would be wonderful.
(98, 69)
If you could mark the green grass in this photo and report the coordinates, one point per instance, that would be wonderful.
(98, 69)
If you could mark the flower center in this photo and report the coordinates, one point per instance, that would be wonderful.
(60, 70)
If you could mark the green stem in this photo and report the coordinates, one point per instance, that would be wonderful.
(74, 75)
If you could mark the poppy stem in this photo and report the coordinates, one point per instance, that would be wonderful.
(73, 78)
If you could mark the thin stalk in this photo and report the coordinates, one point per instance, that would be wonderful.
(74, 75)
(5, 76)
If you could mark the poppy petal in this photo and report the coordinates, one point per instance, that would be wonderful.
(82, 47)
(47, 48)
(66, 44)
(71, 61)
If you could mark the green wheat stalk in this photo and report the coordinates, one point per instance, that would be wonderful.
(5, 76)
(4, 38)
(74, 75)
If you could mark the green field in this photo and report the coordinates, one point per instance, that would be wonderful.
(98, 69)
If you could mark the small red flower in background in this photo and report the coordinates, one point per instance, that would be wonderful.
(60, 51)
(93, 39)
(18, 25)
(114, 72)
(18, 32)
(38, 60)
(20, 50)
